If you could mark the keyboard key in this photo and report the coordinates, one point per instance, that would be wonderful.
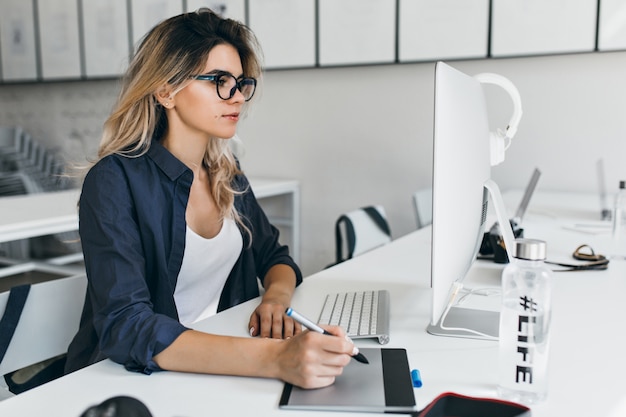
(358, 313)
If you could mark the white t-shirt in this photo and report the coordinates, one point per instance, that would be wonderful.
(205, 269)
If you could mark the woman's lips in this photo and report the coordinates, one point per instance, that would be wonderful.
(232, 116)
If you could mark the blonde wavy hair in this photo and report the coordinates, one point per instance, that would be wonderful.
(169, 54)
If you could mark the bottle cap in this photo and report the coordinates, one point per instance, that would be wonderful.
(530, 249)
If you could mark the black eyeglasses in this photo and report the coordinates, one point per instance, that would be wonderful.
(226, 84)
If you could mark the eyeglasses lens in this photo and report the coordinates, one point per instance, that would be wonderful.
(227, 84)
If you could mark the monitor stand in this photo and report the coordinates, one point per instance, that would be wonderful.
(470, 322)
(485, 323)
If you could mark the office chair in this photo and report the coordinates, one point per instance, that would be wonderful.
(423, 205)
(359, 231)
(11, 144)
(27, 167)
(51, 301)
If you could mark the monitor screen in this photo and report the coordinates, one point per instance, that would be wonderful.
(461, 173)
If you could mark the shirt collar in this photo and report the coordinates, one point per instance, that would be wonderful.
(168, 163)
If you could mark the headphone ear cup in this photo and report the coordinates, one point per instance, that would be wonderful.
(498, 148)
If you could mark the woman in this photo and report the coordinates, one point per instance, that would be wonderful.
(171, 231)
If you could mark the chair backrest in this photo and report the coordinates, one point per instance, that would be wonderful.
(423, 205)
(48, 322)
(361, 230)
(10, 138)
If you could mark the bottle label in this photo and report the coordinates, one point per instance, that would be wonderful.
(523, 346)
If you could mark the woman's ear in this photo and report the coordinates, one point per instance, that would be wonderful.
(164, 97)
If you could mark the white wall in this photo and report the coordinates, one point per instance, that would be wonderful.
(363, 135)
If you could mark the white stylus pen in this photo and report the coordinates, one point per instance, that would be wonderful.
(314, 327)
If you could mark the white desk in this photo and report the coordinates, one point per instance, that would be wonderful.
(587, 358)
(34, 215)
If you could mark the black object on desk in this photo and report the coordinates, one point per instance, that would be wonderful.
(121, 406)
(492, 246)
(452, 404)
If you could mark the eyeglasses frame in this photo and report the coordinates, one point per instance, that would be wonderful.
(239, 83)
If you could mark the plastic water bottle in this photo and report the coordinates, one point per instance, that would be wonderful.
(619, 223)
(524, 340)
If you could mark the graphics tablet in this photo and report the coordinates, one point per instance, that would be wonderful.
(382, 385)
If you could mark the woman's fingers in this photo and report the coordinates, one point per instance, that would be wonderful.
(313, 360)
(269, 320)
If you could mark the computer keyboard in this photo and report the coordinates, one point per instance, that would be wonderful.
(362, 314)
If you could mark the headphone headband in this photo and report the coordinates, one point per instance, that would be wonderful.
(501, 140)
(509, 87)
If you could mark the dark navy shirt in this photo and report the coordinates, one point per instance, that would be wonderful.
(132, 228)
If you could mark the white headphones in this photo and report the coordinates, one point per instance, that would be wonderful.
(501, 140)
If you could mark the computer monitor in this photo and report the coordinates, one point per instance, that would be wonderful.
(462, 185)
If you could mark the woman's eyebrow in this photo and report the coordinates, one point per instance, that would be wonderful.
(220, 71)
(214, 71)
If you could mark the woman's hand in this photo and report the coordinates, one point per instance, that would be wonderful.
(313, 360)
(269, 320)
